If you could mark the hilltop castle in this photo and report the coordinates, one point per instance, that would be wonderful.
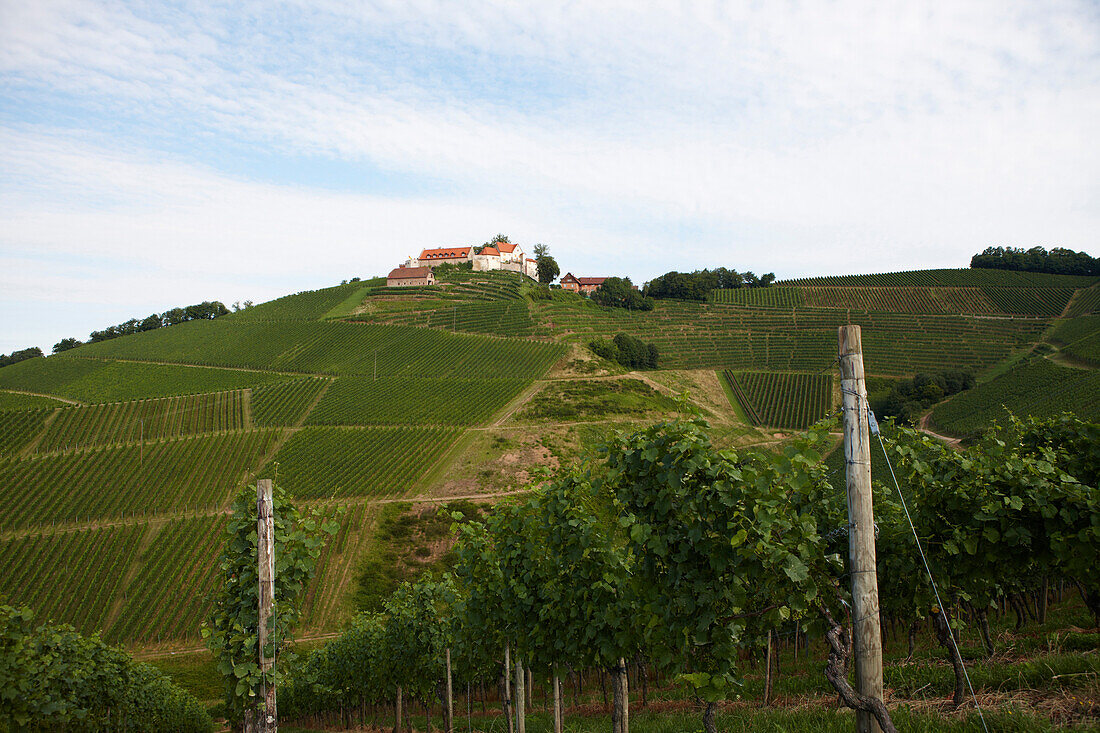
(497, 255)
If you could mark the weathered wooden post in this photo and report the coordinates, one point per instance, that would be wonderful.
(267, 719)
(506, 703)
(520, 704)
(449, 710)
(866, 634)
(557, 701)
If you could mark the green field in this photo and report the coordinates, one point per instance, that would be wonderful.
(18, 427)
(502, 318)
(696, 336)
(182, 556)
(164, 477)
(1040, 387)
(960, 278)
(74, 428)
(781, 400)
(398, 401)
(17, 401)
(308, 305)
(332, 348)
(336, 463)
(70, 577)
(285, 403)
(96, 380)
(1086, 302)
(775, 297)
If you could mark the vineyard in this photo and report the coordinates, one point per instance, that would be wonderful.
(928, 299)
(308, 305)
(332, 348)
(18, 401)
(1080, 338)
(508, 318)
(96, 380)
(337, 463)
(1087, 302)
(1040, 388)
(961, 278)
(397, 401)
(74, 428)
(693, 336)
(195, 473)
(181, 556)
(18, 427)
(773, 297)
(70, 577)
(285, 403)
(782, 400)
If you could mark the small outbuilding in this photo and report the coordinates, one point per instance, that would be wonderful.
(404, 277)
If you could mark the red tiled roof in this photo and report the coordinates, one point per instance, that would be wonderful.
(531, 260)
(590, 280)
(506, 247)
(404, 272)
(569, 276)
(491, 251)
(444, 253)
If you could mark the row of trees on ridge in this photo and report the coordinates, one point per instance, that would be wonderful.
(1037, 259)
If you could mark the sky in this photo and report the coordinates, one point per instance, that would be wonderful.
(157, 154)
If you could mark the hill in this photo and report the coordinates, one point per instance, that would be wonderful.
(118, 460)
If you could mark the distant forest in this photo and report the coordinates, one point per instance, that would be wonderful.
(698, 285)
(1037, 259)
(205, 310)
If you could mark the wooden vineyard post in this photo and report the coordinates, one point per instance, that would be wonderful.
(267, 719)
(557, 701)
(449, 711)
(866, 632)
(520, 704)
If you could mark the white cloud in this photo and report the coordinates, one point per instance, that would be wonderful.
(786, 137)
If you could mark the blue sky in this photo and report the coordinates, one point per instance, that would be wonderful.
(155, 154)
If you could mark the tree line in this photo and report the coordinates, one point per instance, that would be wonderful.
(206, 310)
(672, 551)
(21, 355)
(1057, 261)
(629, 351)
(697, 285)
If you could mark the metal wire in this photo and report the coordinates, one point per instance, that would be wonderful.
(928, 569)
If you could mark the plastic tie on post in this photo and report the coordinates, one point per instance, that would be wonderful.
(872, 423)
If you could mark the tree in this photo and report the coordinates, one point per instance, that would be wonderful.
(66, 344)
(22, 355)
(547, 269)
(619, 292)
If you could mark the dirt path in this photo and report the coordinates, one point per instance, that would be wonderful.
(202, 366)
(925, 429)
(40, 394)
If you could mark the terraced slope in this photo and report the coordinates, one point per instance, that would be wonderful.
(781, 400)
(1040, 388)
(695, 335)
(963, 277)
(330, 348)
